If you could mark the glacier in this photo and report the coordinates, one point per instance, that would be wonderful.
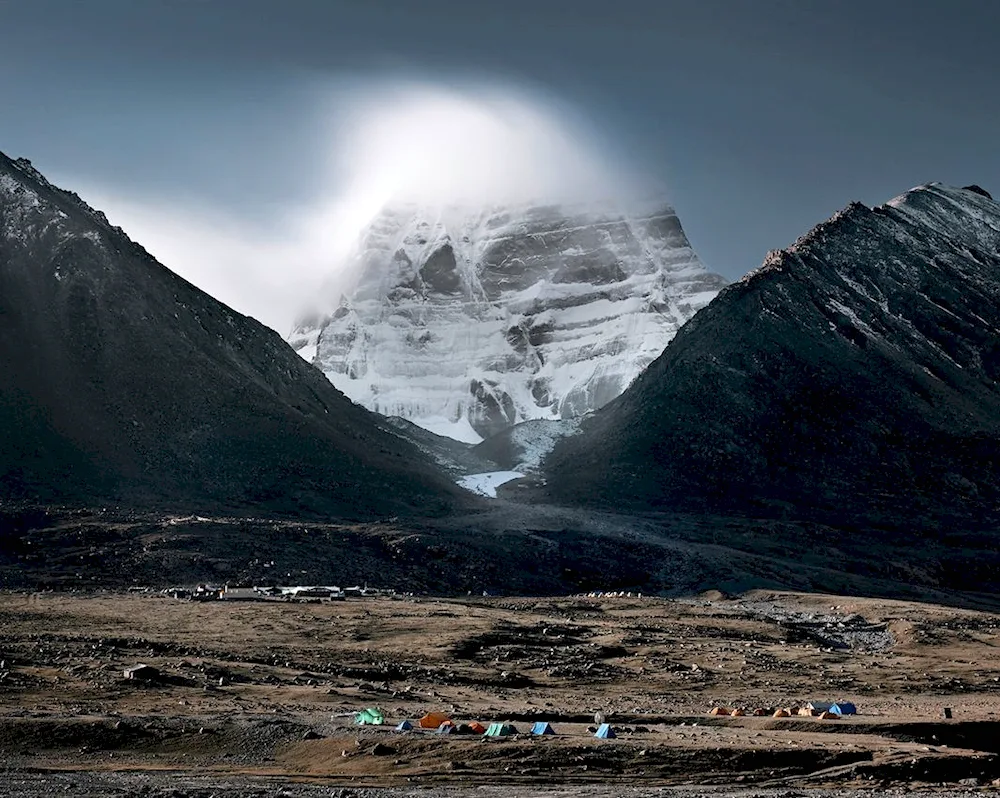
(467, 321)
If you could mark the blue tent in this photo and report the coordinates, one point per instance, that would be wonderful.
(605, 732)
(542, 727)
(404, 726)
(844, 708)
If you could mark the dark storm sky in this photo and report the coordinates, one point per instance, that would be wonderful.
(761, 117)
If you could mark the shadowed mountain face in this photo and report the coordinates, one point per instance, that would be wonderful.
(853, 377)
(122, 382)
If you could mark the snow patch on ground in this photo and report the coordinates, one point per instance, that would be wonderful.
(486, 484)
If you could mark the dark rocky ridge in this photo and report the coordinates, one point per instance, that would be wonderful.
(128, 395)
(851, 379)
(124, 383)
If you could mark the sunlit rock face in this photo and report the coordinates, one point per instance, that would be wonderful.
(469, 321)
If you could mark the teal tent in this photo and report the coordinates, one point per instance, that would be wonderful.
(404, 726)
(373, 716)
(500, 730)
(605, 732)
(542, 727)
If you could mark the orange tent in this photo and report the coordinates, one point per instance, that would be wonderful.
(477, 727)
(433, 720)
(719, 711)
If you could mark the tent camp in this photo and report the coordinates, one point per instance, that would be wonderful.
(844, 708)
(404, 726)
(542, 727)
(433, 720)
(500, 730)
(373, 716)
(605, 732)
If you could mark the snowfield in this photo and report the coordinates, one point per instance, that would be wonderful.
(486, 484)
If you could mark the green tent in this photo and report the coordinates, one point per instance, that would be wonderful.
(500, 730)
(373, 716)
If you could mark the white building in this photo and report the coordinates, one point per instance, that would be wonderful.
(239, 593)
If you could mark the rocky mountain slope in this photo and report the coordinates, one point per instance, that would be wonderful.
(469, 321)
(124, 383)
(852, 378)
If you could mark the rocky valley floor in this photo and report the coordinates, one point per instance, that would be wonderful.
(258, 698)
(507, 546)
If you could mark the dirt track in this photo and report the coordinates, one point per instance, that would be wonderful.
(268, 690)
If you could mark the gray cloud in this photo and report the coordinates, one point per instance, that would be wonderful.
(761, 117)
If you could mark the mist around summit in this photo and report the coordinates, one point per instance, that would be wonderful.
(389, 141)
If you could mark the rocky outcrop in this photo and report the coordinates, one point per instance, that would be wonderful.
(468, 322)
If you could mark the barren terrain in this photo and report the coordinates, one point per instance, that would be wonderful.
(267, 690)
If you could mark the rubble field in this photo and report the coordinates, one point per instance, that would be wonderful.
(248, 698)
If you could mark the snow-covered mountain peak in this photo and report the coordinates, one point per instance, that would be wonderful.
(467, 320)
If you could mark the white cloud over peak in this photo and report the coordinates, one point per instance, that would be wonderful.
(407, 140)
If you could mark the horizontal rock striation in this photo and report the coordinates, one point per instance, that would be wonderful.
(468, 322)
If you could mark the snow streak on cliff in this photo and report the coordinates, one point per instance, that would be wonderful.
(467, 322)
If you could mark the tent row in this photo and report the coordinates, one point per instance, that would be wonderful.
(441, 724)
(825, 710)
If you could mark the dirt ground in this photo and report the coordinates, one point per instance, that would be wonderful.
(250, 695)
